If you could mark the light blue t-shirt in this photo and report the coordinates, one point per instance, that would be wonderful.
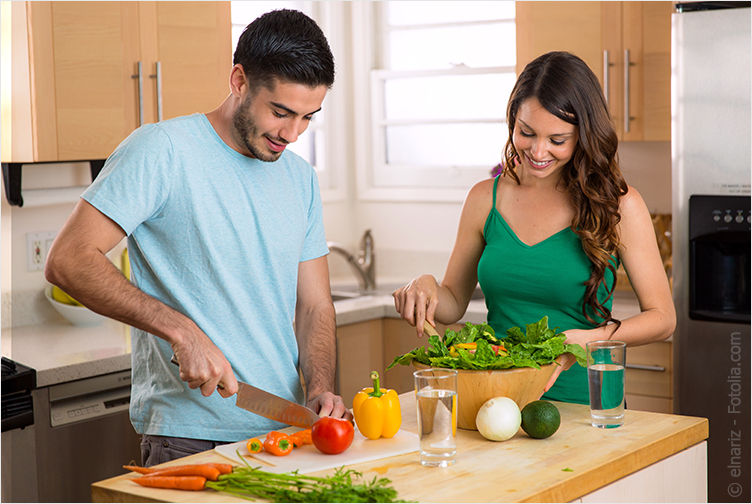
(217, 236)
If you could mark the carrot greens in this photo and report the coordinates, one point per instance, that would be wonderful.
(343, 486)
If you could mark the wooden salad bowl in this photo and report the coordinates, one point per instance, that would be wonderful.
(474, 388)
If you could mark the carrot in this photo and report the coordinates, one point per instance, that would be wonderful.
(204, 470)
(223, 468)
(138, 469)
(174, 482)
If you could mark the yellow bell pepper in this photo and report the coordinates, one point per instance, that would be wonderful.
(377, 411)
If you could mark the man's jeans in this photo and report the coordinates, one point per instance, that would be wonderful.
(158, 449)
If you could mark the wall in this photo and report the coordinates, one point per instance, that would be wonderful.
(22, 289)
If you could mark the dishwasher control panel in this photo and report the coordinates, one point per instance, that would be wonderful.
(89, 398)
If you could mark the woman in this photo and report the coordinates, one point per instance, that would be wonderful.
(546, 236)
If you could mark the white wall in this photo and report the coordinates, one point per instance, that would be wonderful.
(20, 287)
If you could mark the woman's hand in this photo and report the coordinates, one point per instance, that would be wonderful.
(417, 301)
(567, 360)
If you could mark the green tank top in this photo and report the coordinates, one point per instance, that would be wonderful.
(523, 283)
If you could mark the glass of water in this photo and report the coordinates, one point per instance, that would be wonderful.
(436, 398)
(605, 368)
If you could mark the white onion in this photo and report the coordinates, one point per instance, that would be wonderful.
(498, 419)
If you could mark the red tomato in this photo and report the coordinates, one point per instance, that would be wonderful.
(332, 435)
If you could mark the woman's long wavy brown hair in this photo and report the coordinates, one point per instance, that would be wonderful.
(567, 88)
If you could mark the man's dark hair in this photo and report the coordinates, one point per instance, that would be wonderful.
(285, 45)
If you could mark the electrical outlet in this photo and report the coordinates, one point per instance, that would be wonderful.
(37, 246)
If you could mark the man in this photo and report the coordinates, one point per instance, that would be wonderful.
(227, 248)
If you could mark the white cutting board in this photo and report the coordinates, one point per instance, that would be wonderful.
(308, 459)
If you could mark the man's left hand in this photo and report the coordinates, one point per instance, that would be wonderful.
(330, 405)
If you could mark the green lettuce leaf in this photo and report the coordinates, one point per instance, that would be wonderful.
(537, 346)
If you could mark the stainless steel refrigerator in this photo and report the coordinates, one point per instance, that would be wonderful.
(712, 172)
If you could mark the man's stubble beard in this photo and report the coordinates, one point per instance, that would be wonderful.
(244, 131)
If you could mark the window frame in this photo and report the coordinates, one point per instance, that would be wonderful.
(373, 173)
(331, 159)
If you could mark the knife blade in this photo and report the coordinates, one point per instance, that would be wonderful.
(270, 406)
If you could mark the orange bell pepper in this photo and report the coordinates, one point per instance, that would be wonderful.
(277, 443)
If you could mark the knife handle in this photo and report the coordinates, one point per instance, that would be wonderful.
(174, 360)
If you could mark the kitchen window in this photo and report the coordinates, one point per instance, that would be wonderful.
(313, 144)
(432, 112)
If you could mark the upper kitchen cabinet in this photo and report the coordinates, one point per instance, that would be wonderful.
(626, 44)
(86, 74)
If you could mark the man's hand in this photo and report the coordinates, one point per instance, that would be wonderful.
(204, 366)
(328, 404)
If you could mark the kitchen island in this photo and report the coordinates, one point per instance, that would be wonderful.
(653, 457)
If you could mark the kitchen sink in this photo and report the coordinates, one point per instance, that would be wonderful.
(340, 295)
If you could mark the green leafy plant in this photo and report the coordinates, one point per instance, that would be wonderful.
(537, 346)
(345, 485)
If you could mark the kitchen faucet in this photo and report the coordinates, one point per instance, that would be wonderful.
(364, 265)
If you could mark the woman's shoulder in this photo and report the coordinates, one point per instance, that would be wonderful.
(631, 203)
(479, 200)
(635, 216)
(482, 189)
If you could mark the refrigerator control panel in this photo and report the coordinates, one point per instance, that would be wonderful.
(718, 214)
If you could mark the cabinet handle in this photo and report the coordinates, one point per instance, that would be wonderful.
(606, 75)
(139, 76)
(627, 117)
(642, 367)
(158, 76)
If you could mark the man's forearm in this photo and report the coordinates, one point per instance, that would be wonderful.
(96, 283)
(315, 331)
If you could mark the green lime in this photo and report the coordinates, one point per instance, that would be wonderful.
(540, 419)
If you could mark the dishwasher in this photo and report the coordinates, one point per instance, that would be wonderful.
(83, 435)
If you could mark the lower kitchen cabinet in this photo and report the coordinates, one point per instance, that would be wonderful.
(360, 350)
(649, 377)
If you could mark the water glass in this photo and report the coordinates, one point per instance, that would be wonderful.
(605, 368)
(436, 398)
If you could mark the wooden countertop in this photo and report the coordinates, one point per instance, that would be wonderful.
(575, 461)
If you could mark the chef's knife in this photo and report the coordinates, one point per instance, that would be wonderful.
(270, 406)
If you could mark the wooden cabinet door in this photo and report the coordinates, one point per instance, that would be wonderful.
(81, 86)
(194, 47)
(576, 27)
(646, 32)
(360, 350)
(600, 33)
(83, 66)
